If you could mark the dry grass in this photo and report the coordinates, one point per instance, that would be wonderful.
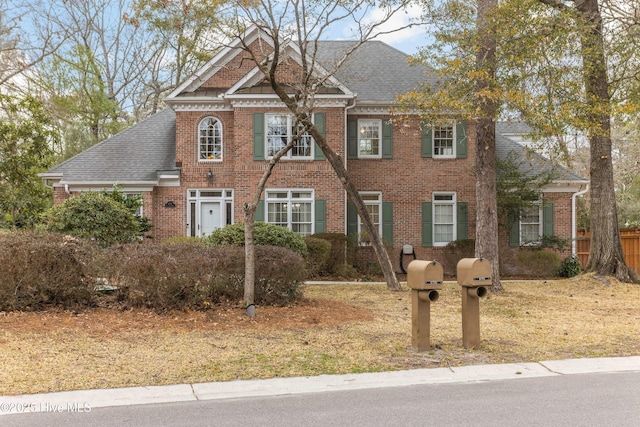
(337, 329)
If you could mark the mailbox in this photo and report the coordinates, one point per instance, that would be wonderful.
(425, 275)
(474, 272)
(425, 279)
(474, 275)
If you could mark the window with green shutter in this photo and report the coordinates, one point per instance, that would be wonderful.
(444, 141)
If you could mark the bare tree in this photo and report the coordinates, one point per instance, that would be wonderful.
(25, 41)
(290, 30)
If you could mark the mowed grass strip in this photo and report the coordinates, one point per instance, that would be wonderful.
(337, 329)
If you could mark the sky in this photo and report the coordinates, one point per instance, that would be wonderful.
(408, 40)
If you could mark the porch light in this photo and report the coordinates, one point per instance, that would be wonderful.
(210, 176)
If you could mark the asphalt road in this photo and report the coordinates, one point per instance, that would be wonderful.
(581, 399)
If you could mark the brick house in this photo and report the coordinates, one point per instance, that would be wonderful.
(197, 162)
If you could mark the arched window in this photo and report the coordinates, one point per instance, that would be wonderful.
(210, 139)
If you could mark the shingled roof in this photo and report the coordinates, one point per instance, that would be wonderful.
(138, 154)
(376, 72)
(508, 135)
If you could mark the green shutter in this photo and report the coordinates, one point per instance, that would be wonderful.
(387, 222)
(427, 224)
(352, 222)
(387, 139)
(260, 211)
(320, 211)
(547, 219)
(258, 136)
(461, 140)
(462, 231)
(514, 230)
(319, 120)
(352, 139)
(427, 140)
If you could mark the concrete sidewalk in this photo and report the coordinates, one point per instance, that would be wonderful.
(89, 399)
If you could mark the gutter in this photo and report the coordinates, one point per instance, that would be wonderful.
(346, 148)
(573, 218)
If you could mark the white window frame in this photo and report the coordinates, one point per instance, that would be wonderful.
(195, 196)
(452, 201)
(363, 124)
(370, 198)
(439, 128)
(210, 156)
(521, 225)
(290, 133)
(290, 200)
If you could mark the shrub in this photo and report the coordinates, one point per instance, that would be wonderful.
(347, 271)
(318, 255)
(188, 276)
(39, 270)
(570, 267)
(263, 234)
(454, 251)
(541, 263)
(93, 216)
(364, 260)
(339, 244)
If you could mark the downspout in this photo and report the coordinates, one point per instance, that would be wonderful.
(346, 151)
(573, 218)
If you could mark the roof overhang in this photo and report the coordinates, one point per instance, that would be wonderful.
(565, 186)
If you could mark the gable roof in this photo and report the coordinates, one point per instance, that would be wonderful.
(140, 154)
(375, 71)
(508, 137)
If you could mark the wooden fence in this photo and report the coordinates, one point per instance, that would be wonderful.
(630, 247)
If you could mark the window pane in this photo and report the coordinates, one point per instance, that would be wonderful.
(302, 147)
(443, 233)
(443, 140)
(443, 214)
(369, 137)
(277, 214)
(210, 139)
(277, 133)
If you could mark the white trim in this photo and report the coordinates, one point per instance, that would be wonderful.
(197, 200)
(289, 200)
(199, 143)
(290, 121)
(453, 142)
(574, 220)
(216, 63)
(200, 104)
(371, 203)
(538, 241)
(454, 206)
(378, 155)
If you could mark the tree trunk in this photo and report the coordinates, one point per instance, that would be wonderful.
(249, 258)
(487, 245)
(376, 241)
(605, 256)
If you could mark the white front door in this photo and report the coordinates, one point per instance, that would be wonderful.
(210, 217)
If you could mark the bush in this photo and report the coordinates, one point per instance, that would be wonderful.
(540, 263)
(570, 267)
(319, 254)
(93, 216)
(347, 271)
(39, 270)
(263, 234)
(455, 251)
(339, 244)
(188, 276)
